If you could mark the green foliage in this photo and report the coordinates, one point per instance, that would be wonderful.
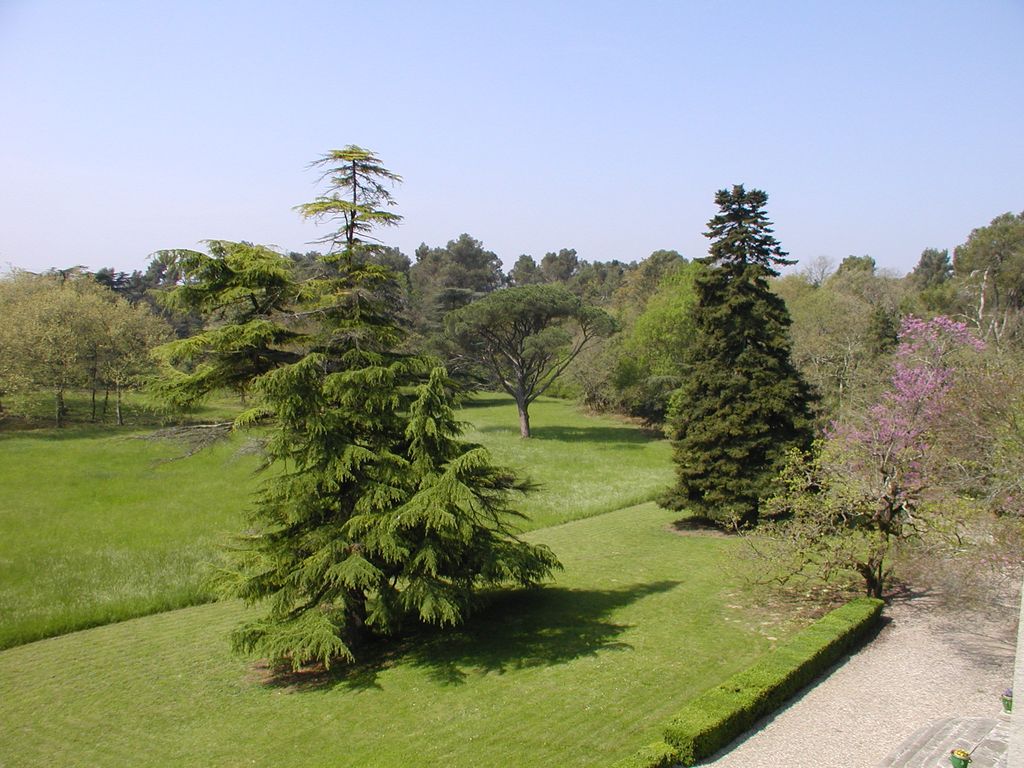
(526, 337)
(357, 190)
(378, 512)
(656, 755)
(452, 535)
(991, 265)
(63, 330)
(716, 717)
(244, 293)
(831, 338)
(615, 374)
(652, 354)
(933, 269)
(525, 272)
(560, 267)
(854, 264)
(598, 282)
(445, 279)
(743, 403)
(643, 282)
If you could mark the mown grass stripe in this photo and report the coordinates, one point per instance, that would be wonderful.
(565, 676)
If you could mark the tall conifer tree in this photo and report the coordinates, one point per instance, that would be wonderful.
(377, 512)
(743, 402)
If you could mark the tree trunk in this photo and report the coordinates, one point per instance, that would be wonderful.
(356, 632)
(94, 376)
(106, 401)
(59, 406)
(120, 419)
(874, 577)
(524, 417)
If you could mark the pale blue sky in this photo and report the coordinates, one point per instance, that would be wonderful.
(876, 128)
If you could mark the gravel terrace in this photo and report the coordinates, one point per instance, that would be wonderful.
(919, 668)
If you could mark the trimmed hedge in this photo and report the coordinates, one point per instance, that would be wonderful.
(720, 714)
(656, 755)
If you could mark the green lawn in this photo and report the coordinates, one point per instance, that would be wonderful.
(585, 465)
(580, 673)
(94, 529)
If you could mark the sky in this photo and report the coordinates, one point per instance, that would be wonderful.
(876, 127)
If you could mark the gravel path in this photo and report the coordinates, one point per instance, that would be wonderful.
(918, 669)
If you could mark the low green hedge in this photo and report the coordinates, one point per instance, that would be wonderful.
(716, 717)
(656, 755)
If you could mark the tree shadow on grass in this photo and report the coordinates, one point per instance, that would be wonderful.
(698, 524)
(518, 630)
(620, 436)
(14, 428)
(487, 401)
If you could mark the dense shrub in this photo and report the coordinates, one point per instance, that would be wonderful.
(656, 755)
(720, 714)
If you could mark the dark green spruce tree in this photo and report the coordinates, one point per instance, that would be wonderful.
(743, 403)
(375, 513)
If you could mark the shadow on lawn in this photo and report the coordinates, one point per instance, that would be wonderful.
(487, 401)
(594, 435)
(532, 628)
(44, 431)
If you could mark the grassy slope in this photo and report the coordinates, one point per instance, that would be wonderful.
(578, 674)
(92, 530)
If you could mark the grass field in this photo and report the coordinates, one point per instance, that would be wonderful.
(579, 673)
(94, 529)
(585, 465)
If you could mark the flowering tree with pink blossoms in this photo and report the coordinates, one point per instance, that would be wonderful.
(865, 487)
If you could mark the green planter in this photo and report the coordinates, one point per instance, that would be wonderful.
(1007, 703)
(959, 758)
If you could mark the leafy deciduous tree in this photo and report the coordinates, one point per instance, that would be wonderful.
(870, 483)
(64, 330)
(992, 263)
(653, 353)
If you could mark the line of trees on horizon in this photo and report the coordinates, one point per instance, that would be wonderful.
(844, 315)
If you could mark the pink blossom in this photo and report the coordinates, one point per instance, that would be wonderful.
(890, 442)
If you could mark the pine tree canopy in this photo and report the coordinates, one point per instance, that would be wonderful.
(742, 403)
(741, 233)
(358, 187)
